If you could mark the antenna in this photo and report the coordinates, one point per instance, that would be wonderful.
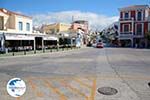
(72, 18)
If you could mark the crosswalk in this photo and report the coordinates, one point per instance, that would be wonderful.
(60, 88)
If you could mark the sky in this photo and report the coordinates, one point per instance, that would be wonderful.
(99, 13)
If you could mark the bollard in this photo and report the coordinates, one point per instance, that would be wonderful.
(25, 52)
(57, 48)
(43, 50)
(67, 47)
(71, 47)
(34, 51)
(13, 53)
(50, 49)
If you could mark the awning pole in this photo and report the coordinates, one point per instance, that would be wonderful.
(34, 44)
(43, 44)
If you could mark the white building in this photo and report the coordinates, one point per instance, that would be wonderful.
(16, 31)
(14, 22)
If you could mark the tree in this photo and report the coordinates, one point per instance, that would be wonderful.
(148, 36)
(7, 44)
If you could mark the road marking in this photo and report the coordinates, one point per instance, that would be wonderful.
(18, 98)
(34, 87)
(61, 95)
(55, 90)
(74, 89)
(90, 78)
(93, 91)
(82, 84)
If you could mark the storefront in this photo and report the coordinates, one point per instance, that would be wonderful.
(18, 42)
(139, 42)
(126, 43)
(50, 41)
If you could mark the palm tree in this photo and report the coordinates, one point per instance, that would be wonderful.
(147, 37)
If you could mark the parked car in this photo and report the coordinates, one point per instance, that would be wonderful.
(99, 45)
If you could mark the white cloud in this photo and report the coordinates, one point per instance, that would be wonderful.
(96, 21)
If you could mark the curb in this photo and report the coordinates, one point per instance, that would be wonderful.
(38, 54)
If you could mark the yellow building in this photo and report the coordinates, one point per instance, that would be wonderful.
(55, 28)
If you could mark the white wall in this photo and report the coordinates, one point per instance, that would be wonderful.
(24, 20)
(11, 23)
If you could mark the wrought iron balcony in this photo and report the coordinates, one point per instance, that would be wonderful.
(126, 33)
(125, 19)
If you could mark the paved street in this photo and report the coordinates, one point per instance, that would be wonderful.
(77, 74)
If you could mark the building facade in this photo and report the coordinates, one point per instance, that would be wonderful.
(16, 33)
(134, 25)
(14, 22)
(55, 28)
(81, 27)
(80, 24)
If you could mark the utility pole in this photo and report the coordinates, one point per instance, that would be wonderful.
(72, 18)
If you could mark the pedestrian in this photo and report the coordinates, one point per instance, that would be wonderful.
(136, 45)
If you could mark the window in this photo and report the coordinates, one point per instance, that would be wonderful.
(139, 29)
(27, 26)
(126, 28)
(126, 15)
(149, 27)
(57, 30)
(1, 23)
(20, 26)
(139, 15)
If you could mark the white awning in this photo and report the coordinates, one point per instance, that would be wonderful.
(51, 38)
(18, 37)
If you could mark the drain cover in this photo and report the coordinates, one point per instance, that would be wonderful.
(107, 91)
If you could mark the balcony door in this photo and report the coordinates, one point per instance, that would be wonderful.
(126, 28)
(139, 29)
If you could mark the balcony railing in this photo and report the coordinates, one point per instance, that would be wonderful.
(133, 19)
(130, 34)
(126, 33)
(126, 19)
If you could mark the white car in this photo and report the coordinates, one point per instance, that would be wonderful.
(94, 45)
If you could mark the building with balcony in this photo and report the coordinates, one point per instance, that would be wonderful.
(134, 23)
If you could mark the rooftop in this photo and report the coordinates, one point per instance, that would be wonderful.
(80, 21)
(135, 7)
(11, 12)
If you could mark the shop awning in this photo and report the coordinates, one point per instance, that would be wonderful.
(51, 38)
(18, 37)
